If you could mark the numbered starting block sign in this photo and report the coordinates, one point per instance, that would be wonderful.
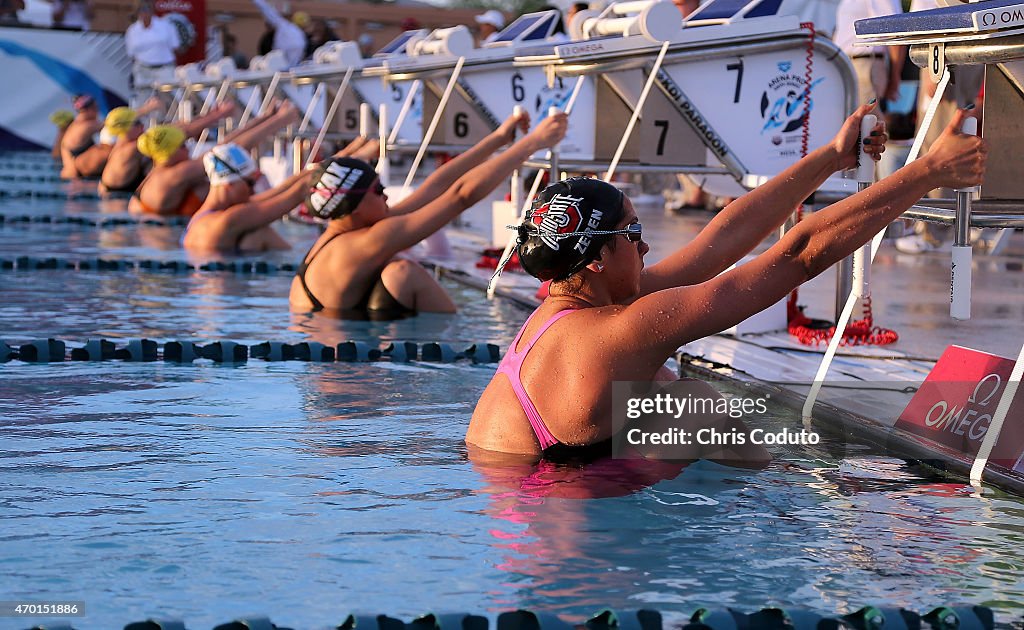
(488, 87)
(765, 107)
(748, 97)
(486, 94)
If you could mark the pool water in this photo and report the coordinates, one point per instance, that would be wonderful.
(306, 491)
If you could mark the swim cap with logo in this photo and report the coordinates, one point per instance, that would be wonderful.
(119, 120)
(340, 184)
(227, 163)
(570, 207)
(160, 142)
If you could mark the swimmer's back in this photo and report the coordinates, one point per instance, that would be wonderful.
(342, 269)
(567, 375)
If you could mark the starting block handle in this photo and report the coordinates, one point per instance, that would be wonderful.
(383, 162)
(960, 274)
(517, 179)
(865, 177)
(865, 165)
(554, 176)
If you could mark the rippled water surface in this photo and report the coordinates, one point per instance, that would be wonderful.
(305, 491)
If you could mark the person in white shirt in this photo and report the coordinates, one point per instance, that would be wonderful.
(491, 22)
(152, 42)
(73, 13)
(878, 67)
(288, 37)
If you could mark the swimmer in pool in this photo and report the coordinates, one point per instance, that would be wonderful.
(80, 150)
(608, 318)
(353, 268)
(177, 184)
(234, 219)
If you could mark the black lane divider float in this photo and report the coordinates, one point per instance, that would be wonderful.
(867, 618)
(147, 350)
(259, 267)
(101, 221)
(48, 194)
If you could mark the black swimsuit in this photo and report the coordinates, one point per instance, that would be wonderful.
(377, 303)
(133, 183)
(85, 147)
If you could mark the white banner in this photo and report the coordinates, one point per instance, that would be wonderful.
(43, 70)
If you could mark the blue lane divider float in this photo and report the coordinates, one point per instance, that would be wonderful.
(90, 221)
(867, 618)
(148, 350)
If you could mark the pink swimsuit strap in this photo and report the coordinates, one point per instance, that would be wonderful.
(512, 365)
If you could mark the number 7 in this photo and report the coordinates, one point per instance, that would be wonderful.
(738, 67)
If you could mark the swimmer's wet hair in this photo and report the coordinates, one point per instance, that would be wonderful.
(566, 227)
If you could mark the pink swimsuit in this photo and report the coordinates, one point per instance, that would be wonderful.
(512, 365)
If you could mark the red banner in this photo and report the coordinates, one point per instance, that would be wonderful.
(955, 405)
(189, 16)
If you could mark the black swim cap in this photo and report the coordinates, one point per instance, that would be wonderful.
(573, 206)
(341, 183)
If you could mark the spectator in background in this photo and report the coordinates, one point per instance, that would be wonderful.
(491, 22)
(558, 35)
(686, 7)
(9, 11)
(152, 42)
(318, 34)
(878, 68)
(366, 47)
(229, 46)
(288, 37)
(574, 8)
(75, 14)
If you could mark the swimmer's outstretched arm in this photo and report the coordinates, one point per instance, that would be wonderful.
(395, 233)
(258, 130)
(744, 223)
(194, 128)
(443, 178)
(271, 206)
(655, 325)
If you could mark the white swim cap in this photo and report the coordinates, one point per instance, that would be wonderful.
(227, 163)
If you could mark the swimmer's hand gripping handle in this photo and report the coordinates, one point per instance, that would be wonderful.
(865, 177)
(970, 128)
(962, 254)
(865, 165)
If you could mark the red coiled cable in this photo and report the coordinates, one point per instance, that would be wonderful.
(861, 331)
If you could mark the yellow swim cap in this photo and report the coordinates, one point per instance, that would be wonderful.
(300, 19)
(120, 120)
(161, 142)
(62, 118)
